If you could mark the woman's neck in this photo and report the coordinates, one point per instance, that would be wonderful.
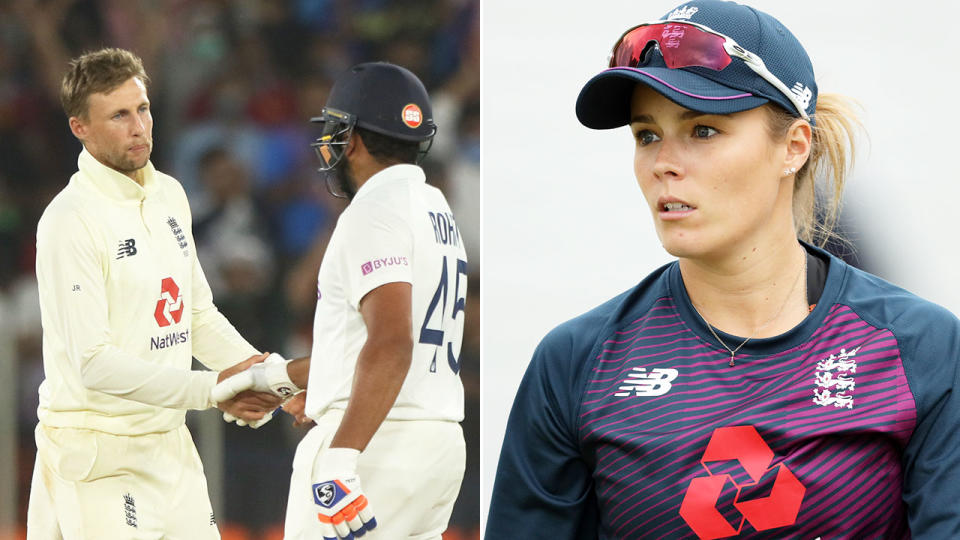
(755, 291)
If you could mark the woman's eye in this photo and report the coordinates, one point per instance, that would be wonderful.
(645, 137)
(704, 132)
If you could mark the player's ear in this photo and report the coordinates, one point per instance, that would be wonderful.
(78, 128)
(355, 144)
(798, 141)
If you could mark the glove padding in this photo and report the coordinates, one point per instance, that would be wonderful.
(342, 508)
(228, 418)
(267, 376)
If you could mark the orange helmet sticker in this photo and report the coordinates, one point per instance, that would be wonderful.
(412, 116)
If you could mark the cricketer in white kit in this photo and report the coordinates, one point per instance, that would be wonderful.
(397, 229)
(387, 455)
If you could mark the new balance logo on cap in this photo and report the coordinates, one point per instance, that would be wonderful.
(684, 12)
(803, 94)
(643, 384)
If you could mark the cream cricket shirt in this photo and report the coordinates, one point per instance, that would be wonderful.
(396, 229)
(124, 305)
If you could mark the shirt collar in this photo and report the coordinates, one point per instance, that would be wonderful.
(113, 183)
(403, 171)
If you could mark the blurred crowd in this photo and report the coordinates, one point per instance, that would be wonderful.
(233, 85)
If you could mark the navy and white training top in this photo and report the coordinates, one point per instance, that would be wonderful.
(630, 422)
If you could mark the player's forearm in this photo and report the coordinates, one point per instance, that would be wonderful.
(381, 370)
(299, 371)
(112, 371)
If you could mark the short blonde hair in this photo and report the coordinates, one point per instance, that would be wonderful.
(98, 71)
(819, 184)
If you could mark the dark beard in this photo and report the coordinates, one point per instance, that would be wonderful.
(346, 181)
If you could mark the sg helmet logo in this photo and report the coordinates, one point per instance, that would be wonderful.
(412, 116)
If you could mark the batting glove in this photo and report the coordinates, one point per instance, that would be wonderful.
(267, 376)
(342, 508)
(228, 418)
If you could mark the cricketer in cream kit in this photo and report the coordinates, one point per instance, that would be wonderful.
(396, 229)
(125, 305)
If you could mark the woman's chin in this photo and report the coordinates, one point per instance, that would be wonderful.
(683, 245)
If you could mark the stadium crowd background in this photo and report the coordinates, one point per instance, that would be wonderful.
(233, 84)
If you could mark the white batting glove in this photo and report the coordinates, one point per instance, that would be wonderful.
(228, 418)
(267, 376)
(342, 508)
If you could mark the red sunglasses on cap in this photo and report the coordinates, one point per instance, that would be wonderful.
(687, 44)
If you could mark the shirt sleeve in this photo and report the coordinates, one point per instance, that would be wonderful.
(376, 248)
(932, 457)
(72, 281)
(543, 486)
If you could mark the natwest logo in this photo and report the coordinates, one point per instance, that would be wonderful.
(170, 306)
(745, 446)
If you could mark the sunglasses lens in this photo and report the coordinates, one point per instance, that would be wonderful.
(681, 45)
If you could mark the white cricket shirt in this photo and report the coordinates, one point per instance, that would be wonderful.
(396, 229)
(124, 305)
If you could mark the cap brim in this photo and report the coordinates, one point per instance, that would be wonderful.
(604, 102)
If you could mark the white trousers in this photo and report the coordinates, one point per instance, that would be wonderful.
(89, 485)
(410, 472)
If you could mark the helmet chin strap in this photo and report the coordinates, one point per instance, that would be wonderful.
(330, 177)
(339, 175)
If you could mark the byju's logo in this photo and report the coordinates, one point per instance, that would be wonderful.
(170, 306)
(643, 384)
(128, 248)
(377, 264)
(744, 446)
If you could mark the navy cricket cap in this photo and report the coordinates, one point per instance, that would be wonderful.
(604, 102)
(384, 98)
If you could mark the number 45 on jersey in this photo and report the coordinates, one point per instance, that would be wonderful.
(450, 329)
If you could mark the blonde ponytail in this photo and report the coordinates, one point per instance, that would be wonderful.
(819, 184)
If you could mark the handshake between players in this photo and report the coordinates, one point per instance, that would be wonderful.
(253, 394)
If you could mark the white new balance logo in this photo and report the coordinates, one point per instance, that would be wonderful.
(804, 94)
(655, 383)
(684, 12)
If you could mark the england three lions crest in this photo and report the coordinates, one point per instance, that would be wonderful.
(834, 380)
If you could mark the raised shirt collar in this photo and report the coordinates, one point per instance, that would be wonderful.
(115, 184)
(406, 171)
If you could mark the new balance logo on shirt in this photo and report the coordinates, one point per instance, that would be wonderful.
(643, 384)
(128, 248)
